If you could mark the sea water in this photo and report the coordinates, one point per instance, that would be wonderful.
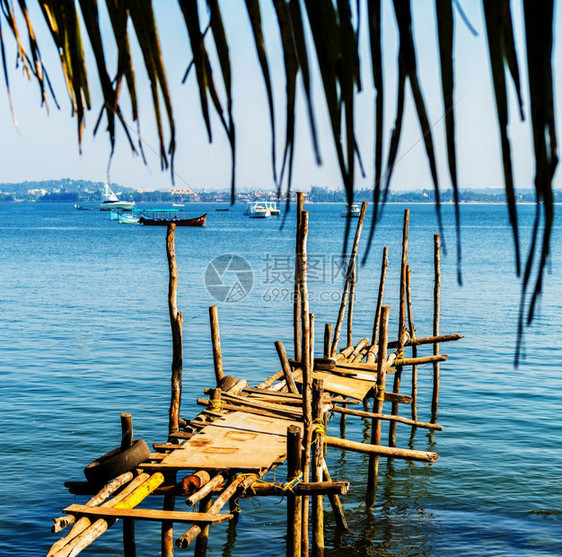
(85, 335)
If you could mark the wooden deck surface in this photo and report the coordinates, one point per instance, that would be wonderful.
(238, 441)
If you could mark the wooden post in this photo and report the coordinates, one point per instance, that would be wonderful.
(216, 340)
(286, 366)
(317, 461)
(347, 284)
(203, 538)
(176, 322)
(401, 326)
(436, 312)
(307, 373)
(384, 266)
(294, 504)
(311, 321)
(378, 404)
(337, 507)
(126, 430)
(327, 339)
(343, 420)
(167, 525)
(353, 280)
(127, 438)
(297, 296)
(412, 331)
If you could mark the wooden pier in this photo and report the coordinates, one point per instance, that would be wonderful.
(244, 432)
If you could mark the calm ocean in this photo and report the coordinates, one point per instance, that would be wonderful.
(84, 336)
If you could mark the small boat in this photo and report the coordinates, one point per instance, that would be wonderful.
(352, 211)
(257, 210)
(272, 207)
(110, 201)
(174, 204)
(163, 217)
(222, 209)
(81, 207)
(127, 217)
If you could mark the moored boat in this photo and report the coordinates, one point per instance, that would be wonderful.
(163, 217)
(257, 210)
(127, 217)
(354, 211)
(271, 206)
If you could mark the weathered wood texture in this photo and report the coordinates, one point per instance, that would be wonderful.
(296, 294)
(401, 324)
(176, 322)
(148, 514)
(216, 342)
(237, 440)
(436, 314)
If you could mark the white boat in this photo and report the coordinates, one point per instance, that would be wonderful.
(110, 201)
(257, 210)
(128, 218)
(354, 211)
(272, 207)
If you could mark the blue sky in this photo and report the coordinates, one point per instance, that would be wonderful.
(45, 147)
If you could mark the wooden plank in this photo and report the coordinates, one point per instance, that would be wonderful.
(238, 440)
(346, 386)
(148, 514)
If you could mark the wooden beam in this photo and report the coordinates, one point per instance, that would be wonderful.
(149, 514)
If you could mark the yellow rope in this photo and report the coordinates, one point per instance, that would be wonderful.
(215, 405)
(379, 390)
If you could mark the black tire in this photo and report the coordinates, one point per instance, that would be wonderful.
(116, 462)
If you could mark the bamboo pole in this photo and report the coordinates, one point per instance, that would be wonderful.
(216, 340)
(378, 401)
(294, 504)
(167, 527)
(381, 450)
(436, 312)
(428, 340)
(307, 373)
(351, 303)
(202, 540)
(327, 339)
(95, 530)
(412, 333)
(387, 417)
(222, 499)
(297, 296)
(291, 385)
(384, 266)
(347, 283)
(176, 322)
(84, 522)
(335, 502)
(317, 460)
(62, 522)
(205, 489)
(311, 321)
(127, 438)
(401, 325)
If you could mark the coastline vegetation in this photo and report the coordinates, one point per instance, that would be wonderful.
(67, 190)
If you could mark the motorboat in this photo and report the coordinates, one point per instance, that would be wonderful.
(272, 207)
(354, 211)
(257, 210)
(110, 201)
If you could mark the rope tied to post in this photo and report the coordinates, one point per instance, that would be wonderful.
(379, 391)
(215, 405)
